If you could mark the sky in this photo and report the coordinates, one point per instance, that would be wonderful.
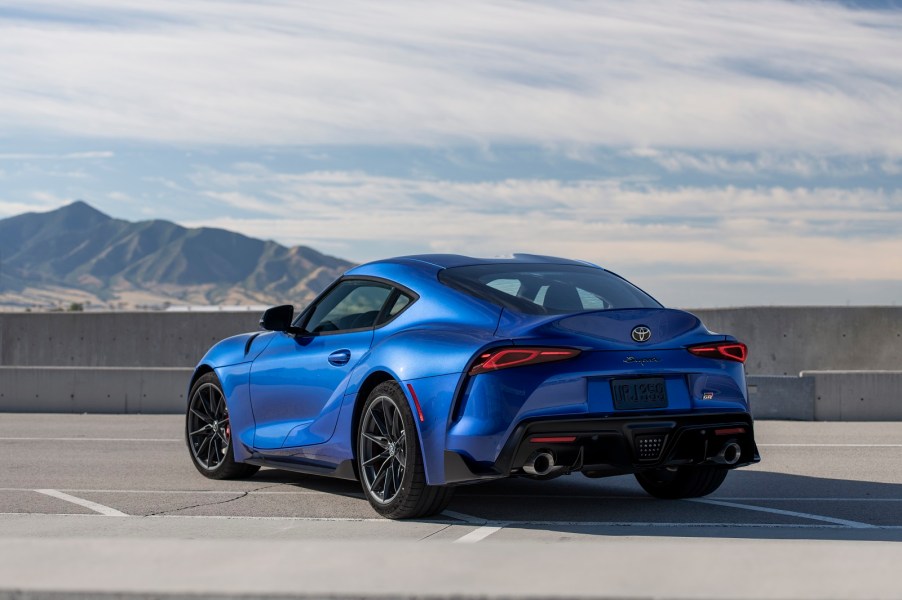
(721, 153)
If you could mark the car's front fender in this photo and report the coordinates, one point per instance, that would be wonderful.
(237, 349)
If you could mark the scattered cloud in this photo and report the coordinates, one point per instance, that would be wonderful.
(745, 75)
(38, 203)
(767, 163)
(801, 233)
(754, 143)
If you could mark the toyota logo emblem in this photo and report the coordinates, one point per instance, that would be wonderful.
(641, 333)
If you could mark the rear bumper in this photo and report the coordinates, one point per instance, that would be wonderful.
(615, 446)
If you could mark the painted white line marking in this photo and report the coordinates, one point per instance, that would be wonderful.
(98, 508)
(80, 439)
(788, 513)
(477, 535)
(830, 445)
(625, 524)
(462, 516)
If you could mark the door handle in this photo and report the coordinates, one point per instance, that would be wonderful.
(340, 357)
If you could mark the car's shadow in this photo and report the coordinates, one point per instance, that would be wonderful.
(771, 506)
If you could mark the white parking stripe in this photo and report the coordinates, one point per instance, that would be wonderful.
(389, 522)
(487, 529)
(462, 516)
(480, 534)
(787, 513)
(99, 508)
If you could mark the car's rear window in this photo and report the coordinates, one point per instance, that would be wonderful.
(547, 289)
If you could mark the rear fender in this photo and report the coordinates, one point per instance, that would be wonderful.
(419, 353)
(431, 361)
(434, 397)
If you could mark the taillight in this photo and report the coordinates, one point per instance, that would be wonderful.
(724, 350)
(505, 358)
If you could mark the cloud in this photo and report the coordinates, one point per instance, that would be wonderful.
(726, 233)
(44, 156)
(767, 163)
(802, 77)
(39, 202)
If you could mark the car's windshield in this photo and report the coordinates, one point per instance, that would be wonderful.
(547, 289)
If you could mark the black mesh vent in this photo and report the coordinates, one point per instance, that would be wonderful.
(649, 447)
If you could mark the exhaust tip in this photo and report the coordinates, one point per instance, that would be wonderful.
(540, 462)
(729, 454)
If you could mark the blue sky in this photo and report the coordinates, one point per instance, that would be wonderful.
(717, 153)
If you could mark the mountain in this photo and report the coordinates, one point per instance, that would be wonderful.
(78, 254)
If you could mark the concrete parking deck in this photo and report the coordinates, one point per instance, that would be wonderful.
(111, 504)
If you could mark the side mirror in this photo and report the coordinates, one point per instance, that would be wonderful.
(277, 318)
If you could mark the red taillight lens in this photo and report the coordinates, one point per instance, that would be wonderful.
(505, 358)
(724, 350)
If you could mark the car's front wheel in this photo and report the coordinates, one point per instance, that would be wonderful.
(681, 482)
(389, 461)
(209, 432)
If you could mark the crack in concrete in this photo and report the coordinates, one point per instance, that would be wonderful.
(436, 532)
(239, 497)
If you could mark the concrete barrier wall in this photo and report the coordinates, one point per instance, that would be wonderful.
(94, 390)
(857, 395)
(116, 339)
(789, 340)
(781, 397)
(782, 340)
(140, 362)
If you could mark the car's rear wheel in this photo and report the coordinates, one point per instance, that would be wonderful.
(389, 461)
(682, 482)
(209, 432)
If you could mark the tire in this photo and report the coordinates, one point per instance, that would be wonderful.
(389, 461)
(209, 433)
(685, 482)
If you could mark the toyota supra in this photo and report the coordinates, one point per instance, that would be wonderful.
(417, 374)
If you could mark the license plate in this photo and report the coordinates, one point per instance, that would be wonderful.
(631, 394)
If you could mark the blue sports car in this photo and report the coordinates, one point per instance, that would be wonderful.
(417, 374)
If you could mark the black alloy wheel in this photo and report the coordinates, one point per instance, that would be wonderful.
(209, 432)
(383, 447)
(389, 462)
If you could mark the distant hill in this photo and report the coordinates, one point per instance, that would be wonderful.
(78, 254)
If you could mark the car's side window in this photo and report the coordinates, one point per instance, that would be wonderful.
(397, 304)
(400, 304)
(350, 305)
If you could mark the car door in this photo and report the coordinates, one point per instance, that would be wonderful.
(297, 383)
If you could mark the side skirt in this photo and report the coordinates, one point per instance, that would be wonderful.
(344, 469)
